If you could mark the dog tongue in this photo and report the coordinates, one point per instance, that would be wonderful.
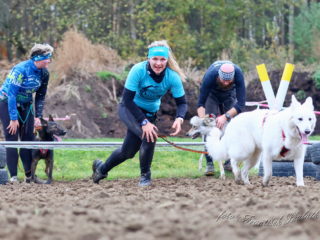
(304, 138)
(57, 138)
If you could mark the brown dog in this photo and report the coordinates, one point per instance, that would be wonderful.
(48, 131)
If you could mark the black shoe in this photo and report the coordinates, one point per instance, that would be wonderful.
(28, 179)
(97, 175)
(227, 166)
(145, 179)
(209, 169)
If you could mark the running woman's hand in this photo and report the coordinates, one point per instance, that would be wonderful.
(176, 126)
(150, 132)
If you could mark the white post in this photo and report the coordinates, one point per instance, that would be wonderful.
(266, 85)
(284, 84)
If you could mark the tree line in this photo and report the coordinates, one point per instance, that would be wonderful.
(203, 30)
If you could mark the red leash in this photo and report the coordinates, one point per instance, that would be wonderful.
(181, 148)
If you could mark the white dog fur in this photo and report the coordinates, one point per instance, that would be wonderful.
(265, 133)
(203, 127)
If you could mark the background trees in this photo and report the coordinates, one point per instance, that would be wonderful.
(204, 30)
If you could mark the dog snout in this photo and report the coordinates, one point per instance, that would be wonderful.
(188, 134)
(307, 131)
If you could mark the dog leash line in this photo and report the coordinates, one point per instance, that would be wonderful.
(181, 148)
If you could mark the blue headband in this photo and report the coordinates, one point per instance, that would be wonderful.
(41, 57)
(160, 51)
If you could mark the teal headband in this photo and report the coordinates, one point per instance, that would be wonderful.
(41, 57)
(160, 51)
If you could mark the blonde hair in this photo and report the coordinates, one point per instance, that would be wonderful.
(172, 63)
(40, 49)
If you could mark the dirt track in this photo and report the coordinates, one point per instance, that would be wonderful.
(204, 208)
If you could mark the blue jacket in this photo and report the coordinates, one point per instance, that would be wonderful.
(209, 84)
(23, 80)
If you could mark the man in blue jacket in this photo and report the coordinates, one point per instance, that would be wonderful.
(222, 93)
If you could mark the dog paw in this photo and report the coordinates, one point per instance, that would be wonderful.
(238, 181)
(223, 177)
(48, 182)
(38, 181)
(300, 184)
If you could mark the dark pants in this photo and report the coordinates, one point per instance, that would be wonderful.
(25, 133)
(219, 102)
(132, 144)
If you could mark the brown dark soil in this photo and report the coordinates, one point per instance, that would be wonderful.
(203, 208)
(96, 113)
(92, 103)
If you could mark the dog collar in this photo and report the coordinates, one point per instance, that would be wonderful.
(43, 151)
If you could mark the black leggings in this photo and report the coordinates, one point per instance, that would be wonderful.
(132, 144)
(25, 132)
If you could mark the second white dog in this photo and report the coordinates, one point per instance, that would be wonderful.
(275, 135)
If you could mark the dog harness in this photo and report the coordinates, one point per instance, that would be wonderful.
(284, 150)
(43, 152)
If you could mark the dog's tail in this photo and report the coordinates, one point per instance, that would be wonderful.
(215, 147)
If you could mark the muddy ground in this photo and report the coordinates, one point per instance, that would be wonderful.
(203, 208)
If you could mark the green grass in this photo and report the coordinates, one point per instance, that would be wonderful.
(315, 138)
(76, 164)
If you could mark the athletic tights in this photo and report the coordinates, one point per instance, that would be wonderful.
(24, 132)
(133, 142)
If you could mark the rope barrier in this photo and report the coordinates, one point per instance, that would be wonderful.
(262, 104)
(162, 146)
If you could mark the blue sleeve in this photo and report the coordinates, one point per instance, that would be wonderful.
(177, 89)
(41, 93)
(15, 80)
(208, 82)
(240, 91)
(134, 76)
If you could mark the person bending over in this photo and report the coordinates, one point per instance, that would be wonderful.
(222, 93)
(146, 83)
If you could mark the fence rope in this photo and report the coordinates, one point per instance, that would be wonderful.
(91, 146)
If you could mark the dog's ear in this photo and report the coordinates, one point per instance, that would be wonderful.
(208, 120)
(294, 102)
(195, 121)
(309, 103)
(50, 118)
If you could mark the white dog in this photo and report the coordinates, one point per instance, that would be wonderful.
(203, 127)
(274, 135)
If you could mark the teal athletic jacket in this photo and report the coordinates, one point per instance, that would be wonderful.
(23, 80)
